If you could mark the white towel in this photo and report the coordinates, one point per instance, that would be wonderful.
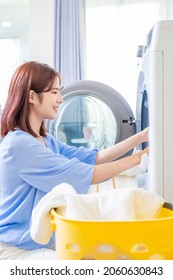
(118, 204)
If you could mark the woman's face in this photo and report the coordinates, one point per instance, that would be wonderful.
(51, 100)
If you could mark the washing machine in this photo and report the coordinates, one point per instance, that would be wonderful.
(155, 107)
(93, 115)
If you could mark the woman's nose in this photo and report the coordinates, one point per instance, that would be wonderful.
(60, 98)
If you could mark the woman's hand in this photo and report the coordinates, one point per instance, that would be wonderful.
(142, 152)
(145, 151)
(144, 135)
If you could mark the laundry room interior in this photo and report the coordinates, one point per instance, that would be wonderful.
(115, 59)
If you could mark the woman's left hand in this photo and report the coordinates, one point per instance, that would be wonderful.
(144, 134)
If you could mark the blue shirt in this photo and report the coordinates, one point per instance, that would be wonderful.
(29, 170)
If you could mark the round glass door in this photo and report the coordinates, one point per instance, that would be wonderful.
(93, 115)
(85, 120)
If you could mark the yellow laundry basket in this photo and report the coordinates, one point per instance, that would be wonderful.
(114, 240)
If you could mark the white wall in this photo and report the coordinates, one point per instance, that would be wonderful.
(41, 31)
(23, 54)
(170, 9)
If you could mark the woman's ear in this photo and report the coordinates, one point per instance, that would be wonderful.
(32, 96)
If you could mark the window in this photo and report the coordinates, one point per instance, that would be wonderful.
(8, 63)
(114, 29)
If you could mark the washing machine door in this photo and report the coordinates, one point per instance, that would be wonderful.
(142, 107)
(93, 115)
(142, 120)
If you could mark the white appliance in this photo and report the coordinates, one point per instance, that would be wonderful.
(155, 98)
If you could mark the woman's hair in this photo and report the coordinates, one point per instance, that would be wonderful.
(29, 76)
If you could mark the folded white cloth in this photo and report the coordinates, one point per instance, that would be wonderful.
(118, 204)
(138, 169)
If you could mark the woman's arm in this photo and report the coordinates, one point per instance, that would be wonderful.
(111, 153)
(108, 170)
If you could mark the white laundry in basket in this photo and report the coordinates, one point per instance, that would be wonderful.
(118, 204)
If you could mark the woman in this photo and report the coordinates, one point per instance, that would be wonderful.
(32, 162)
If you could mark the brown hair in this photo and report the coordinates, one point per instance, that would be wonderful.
(29, 76)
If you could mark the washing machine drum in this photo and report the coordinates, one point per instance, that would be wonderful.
(93, 115)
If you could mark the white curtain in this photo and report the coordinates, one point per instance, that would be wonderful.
(70, 39)
(114, 29)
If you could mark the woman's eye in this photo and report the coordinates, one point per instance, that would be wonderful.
(54, 92)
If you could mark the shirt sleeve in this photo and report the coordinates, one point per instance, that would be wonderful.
(43, 168)
(82, 153)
